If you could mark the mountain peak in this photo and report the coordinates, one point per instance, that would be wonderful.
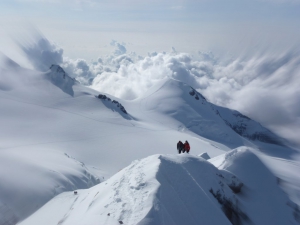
(57, 69)
(61, 79)
(176, 189)
(194, 112)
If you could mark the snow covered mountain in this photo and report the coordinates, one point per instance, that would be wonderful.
(191, 111)
(58, 135)
(177, 189)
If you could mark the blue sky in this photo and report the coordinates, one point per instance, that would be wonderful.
(85, 27)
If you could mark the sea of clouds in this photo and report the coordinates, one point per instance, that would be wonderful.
(264, 87)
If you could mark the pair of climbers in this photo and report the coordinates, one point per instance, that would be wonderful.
(183, 147)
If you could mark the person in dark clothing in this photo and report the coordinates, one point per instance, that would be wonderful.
(186, 146)
(180, 147)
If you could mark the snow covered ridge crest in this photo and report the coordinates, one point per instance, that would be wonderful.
(117, 104)
(61, 79)
(193, 112)
(177, 189)
(241, 124)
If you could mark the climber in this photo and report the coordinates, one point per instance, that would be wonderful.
(180, 147)
(186, 147)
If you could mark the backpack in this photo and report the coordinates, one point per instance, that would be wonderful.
(187, 146)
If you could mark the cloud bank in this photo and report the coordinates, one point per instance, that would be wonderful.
(264, 87)
(41, 52)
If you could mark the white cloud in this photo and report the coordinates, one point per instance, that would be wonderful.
(41, 52)
(120, 48)
(262, 87)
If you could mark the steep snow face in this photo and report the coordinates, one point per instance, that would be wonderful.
(61, 79)
(187, 192)
(204, 155)
(192, 112)
(263, 200)
(183, 111)
(287, 171)
(176, 189)
(246, 127)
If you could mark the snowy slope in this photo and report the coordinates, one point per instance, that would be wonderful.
(178, 106)
(176, 189)
(51, 125)
(262, 188)
(171, 104)
(31, 178)
(41, 121)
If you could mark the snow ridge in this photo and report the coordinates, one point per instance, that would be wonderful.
(176, 189)
(61, 79)
(241, 124)
(181, 107)
(119, 105)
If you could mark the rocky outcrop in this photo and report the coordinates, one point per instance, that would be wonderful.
(113, 102)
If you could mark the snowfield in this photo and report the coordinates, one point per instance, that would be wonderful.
(31, 178)
(58, 136)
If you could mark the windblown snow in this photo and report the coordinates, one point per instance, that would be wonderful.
(58, 136)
